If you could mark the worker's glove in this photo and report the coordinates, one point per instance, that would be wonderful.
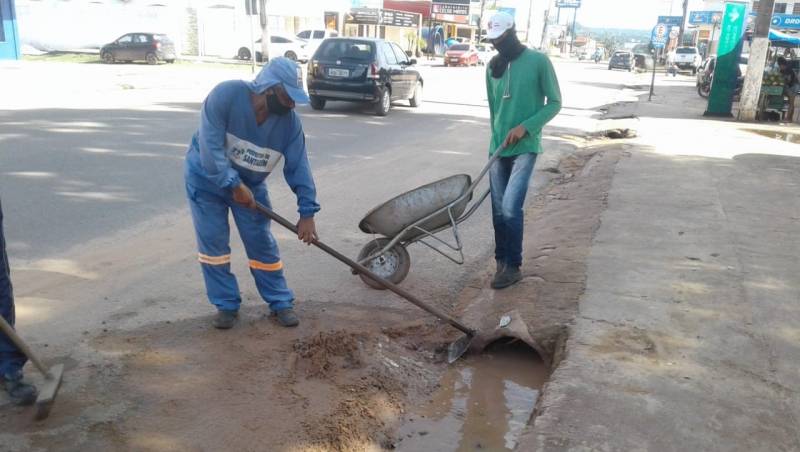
(242, 195)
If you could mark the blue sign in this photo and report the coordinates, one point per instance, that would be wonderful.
(786, 21)
(705, 17)
(674, 21)
(659, 36)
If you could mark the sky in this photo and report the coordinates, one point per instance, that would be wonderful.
(636, 14)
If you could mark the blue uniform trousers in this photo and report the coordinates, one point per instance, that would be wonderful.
(11, 359)
(210, 217)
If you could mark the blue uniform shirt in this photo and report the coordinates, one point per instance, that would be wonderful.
(230, 147)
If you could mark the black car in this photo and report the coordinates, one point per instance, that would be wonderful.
(149, 47)
(621, 60)
(363, 70)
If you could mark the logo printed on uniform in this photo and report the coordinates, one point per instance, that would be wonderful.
(247, 155)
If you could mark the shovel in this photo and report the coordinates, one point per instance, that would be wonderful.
(52, 377)
(454, 350)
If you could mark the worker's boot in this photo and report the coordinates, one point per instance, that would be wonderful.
(501, 266)
(20, 392)
(286, 317)
(225, 319)
(509, 277)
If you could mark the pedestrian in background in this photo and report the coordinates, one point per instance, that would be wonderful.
(246, 129)
(12, 360)
(523, 94)
(790, 86)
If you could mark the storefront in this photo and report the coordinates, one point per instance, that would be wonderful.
(401, 27)
(9, 35)
(441, 20)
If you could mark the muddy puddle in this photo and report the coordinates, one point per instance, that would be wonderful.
(775, 135)
(483, 402)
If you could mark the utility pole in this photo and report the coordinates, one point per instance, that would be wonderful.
(480, 21)
(264, 19)
(572, 39)
(683, 22)
(530, 15)
(748, 105)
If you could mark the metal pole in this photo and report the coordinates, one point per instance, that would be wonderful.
(530, 14)
(558, 16)
(572, 39)
(252, 45)
(480, 21)
(653, 80)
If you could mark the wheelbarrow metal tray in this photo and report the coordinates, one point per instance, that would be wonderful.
(395, 215)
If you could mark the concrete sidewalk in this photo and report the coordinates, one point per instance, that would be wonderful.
(688, 332)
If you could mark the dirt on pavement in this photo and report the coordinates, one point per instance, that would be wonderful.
(341, 382)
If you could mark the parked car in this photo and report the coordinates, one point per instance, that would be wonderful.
(314, 38)
(621, 60)
(149, 47)
(461, 55)
(363, 70)
(279, 45)
(688, 58)
(485, 53)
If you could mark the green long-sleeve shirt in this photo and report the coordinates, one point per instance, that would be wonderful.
(535, 100)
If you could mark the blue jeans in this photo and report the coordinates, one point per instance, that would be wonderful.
(509, 178)
(11, 359)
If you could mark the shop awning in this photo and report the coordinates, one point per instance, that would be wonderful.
(780, 39)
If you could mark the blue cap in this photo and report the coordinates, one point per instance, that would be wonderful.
(284, 71)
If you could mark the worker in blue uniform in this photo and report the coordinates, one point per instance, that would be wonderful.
(246, 130)
(11, 358)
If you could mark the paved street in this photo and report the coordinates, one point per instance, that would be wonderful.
(657, 278)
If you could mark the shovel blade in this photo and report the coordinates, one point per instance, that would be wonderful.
(458, 348)
(48, 391)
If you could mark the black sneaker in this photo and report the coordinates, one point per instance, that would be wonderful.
(225, 319)
(509, 277)
(20, 392)
(287, 317)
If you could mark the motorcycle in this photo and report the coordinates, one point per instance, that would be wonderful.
(704, 86)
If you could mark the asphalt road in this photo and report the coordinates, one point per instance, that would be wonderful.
(106, 152)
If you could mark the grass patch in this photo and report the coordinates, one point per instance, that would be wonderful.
(90, 58)
(64, 57)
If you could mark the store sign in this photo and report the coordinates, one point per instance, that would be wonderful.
(705, 17)
(670, 20)
(786, 21)
(399, 19)
(364, 16)
(450, 8)
(659, 36)
(568, 3)
(720, 101)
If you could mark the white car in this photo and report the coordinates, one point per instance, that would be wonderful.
(687, 58)
(280, 45)
(315, 37)
(485, 53)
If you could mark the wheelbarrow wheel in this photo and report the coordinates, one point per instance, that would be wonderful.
(393, 265)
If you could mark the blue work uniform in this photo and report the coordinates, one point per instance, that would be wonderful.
(11, 358)
(230, 148)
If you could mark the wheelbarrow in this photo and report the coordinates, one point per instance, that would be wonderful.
(417, 216)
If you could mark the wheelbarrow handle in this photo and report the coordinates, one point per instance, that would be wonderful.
(365, 271)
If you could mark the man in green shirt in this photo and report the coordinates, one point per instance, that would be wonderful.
(523, 94)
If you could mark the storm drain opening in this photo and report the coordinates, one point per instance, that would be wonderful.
(483, 402)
